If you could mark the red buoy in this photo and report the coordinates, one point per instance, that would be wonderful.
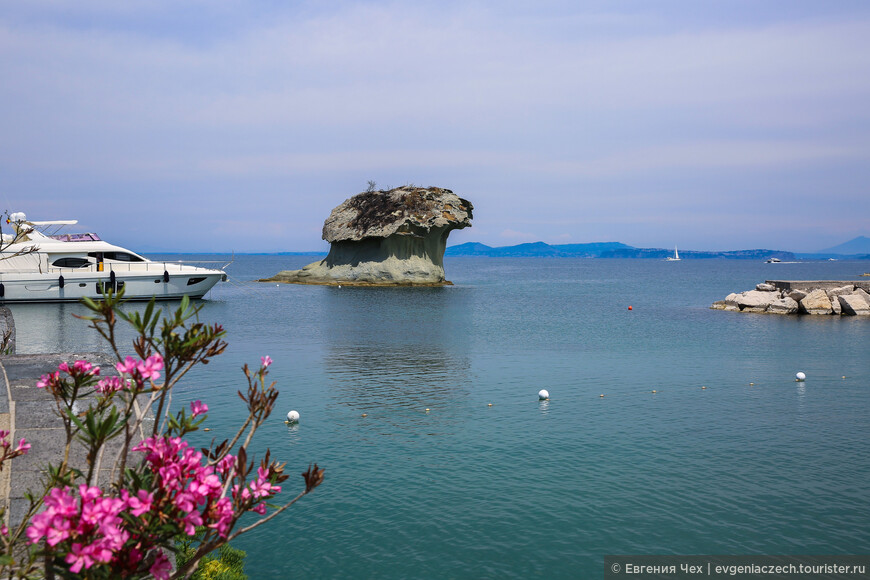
(629, 307)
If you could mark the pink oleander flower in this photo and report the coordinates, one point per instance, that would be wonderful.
(266, 360)
(191, 521)
(262, 487)
(260, 508)
(245, 494)
(80, 367)
(149, 367)
(84, 367)
(110, 385)
(138, 504)
(198, 408)
(162, 568)
(52, 523)
(23, 447)
(48, 380)
(221, 516)
(226, 464)
(89, 493)
(4, 434)
(128, 366)
(91, 522)
(79, 556)
(185, 485)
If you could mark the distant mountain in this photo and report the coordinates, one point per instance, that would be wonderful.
(859, 245)
(661, 254)
(469, 249)
(604, 250)
(592, 250)
(535, 250)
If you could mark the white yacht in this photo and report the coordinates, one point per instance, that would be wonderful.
(37, 264)
(675, 257)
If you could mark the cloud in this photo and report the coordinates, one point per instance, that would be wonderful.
(709, 154)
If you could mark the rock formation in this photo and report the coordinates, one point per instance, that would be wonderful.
(789, 297)
(387, 238)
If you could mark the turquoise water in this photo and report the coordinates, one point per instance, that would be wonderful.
(540, 489)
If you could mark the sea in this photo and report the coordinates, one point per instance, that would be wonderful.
(670, 428)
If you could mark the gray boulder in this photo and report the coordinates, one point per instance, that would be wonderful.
(765, 287)
(816, 302)
(756, 301)
(783, 306)
(797, 295)
(860, 292)
(387, 238)
(834, 292)
(731, 302)
(854, 305)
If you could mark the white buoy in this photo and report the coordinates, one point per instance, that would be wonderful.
(293, 417)
(543, 394)
(800, 377)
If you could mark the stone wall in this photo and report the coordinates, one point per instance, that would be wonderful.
(814, 284)
(7, 331)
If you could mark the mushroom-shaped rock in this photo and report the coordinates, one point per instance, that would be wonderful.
(387, 238)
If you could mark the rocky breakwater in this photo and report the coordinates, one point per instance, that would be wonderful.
(386, 238)
(805, 297)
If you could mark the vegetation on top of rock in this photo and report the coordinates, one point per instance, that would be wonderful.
(376, 207)
(407, 210)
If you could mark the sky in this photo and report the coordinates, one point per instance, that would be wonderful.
(221, 125)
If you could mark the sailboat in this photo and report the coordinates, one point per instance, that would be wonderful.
(675, 257)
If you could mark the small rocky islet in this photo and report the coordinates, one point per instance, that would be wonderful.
(813, 297)
(393, 237)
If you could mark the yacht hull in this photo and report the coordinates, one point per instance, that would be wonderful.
(75, 286)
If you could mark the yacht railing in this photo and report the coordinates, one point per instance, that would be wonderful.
(87, 237)
(119, 267)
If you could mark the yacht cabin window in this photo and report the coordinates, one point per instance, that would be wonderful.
(117, 256)
(71, 263)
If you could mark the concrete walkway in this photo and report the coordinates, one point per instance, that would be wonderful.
(31, 413)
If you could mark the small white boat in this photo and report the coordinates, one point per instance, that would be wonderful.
(674, 258)
(39, 265)
(773, 261)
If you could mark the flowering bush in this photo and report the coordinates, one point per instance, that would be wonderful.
(124, 520)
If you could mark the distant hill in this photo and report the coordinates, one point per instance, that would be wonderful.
(604, 250)
(859, 245)
(661, 254)
(536, 250)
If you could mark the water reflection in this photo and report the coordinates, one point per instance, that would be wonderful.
(375, 378)
(293, 434)
(394, 352)
(53, 327)
(44, 328)
(801, 395)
